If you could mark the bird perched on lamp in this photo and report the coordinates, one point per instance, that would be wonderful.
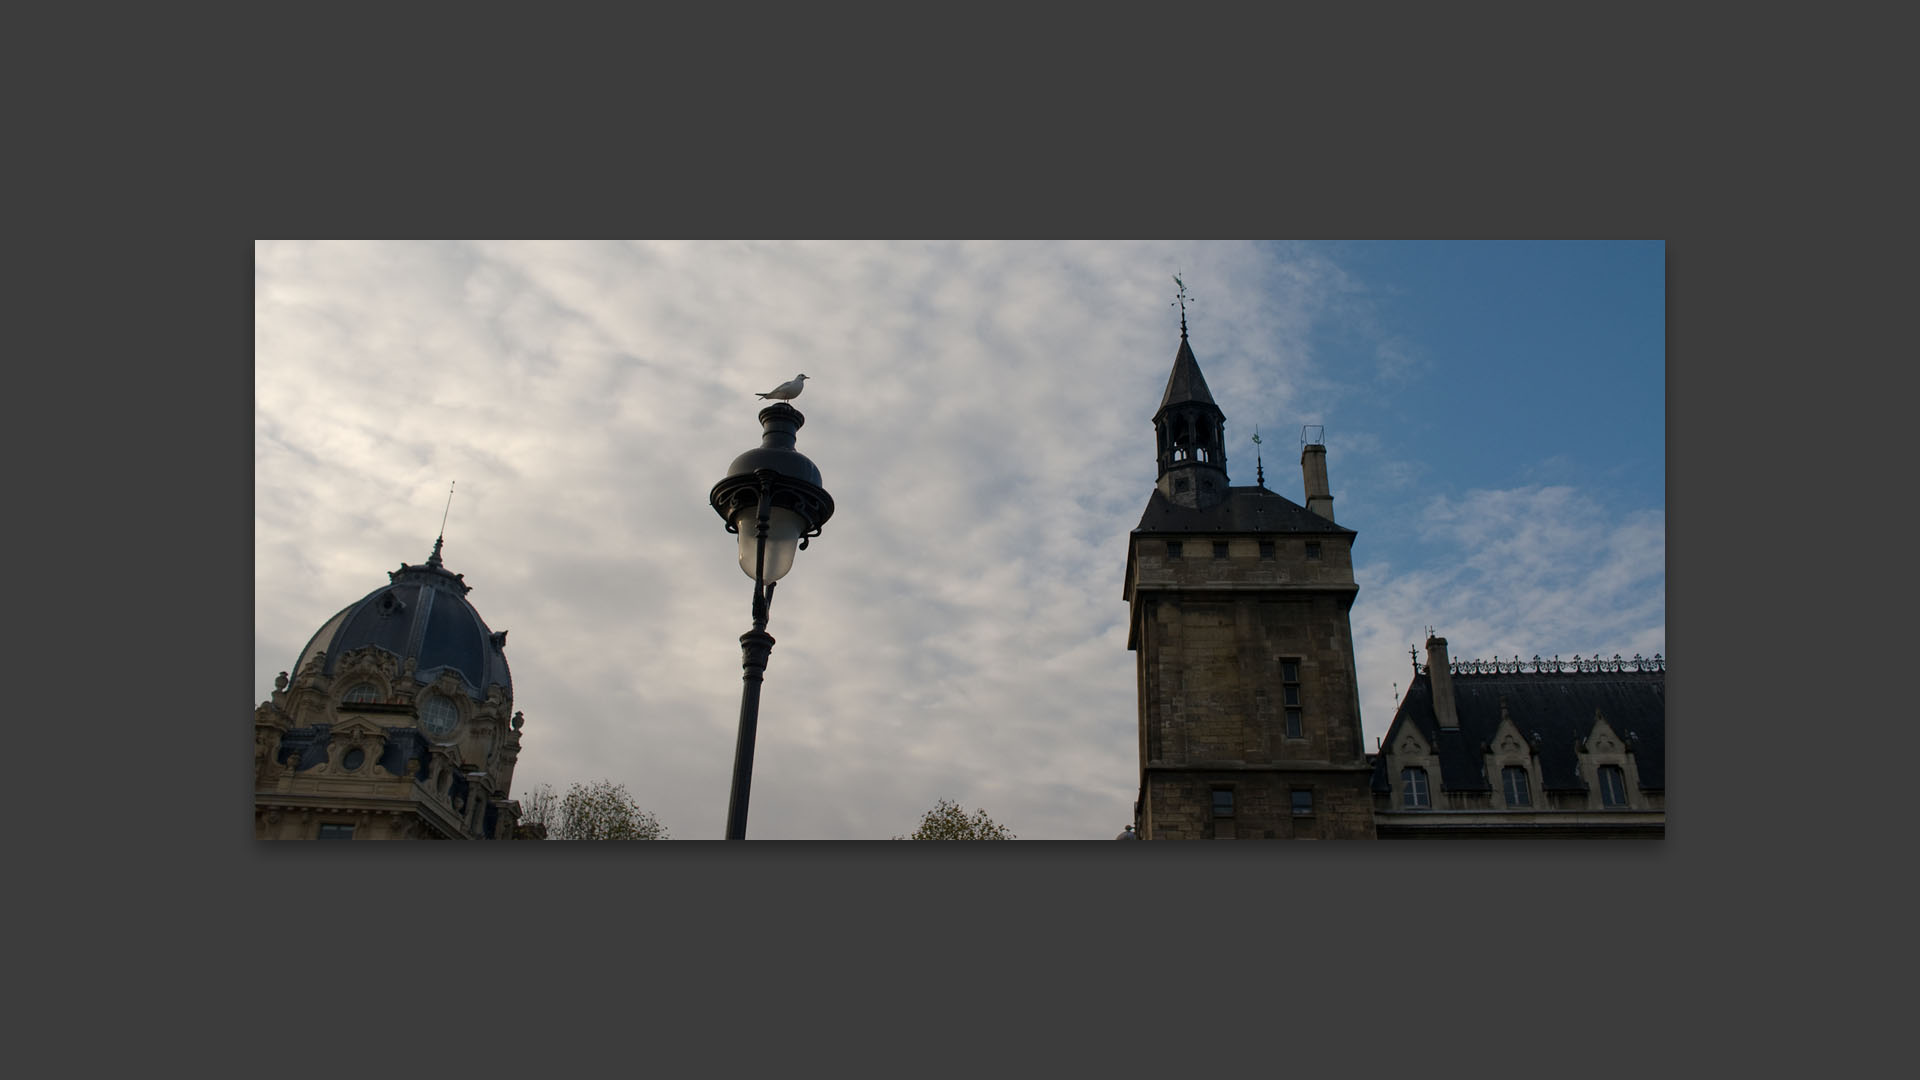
(786, 391)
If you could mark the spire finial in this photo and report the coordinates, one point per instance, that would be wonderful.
(1181, 298)
(1259, 470)
(433, 560)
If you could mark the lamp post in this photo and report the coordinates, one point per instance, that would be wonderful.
(773, 500)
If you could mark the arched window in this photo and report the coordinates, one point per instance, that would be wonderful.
(365, 691)
(1613, 786)
(1514, 779)
(1413, 790)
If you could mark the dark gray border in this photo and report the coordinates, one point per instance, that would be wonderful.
(597, 944)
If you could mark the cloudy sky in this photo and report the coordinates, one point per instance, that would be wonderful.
(1494, 415)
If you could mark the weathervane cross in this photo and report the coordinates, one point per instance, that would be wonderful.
(1260, 470)
(1180, 297)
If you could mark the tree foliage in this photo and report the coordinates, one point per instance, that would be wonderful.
(602, 810)
(948, 820)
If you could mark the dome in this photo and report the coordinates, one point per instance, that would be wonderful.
(422, 615)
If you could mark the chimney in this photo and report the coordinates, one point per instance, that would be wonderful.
(1313, 467)
(1441, 678)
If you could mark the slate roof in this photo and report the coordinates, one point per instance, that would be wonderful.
(424, 614)
(1244, 510)
(1559, 706)
(1185, 383)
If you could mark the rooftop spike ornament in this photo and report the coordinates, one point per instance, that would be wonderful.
(1259, 469)
(433, 560)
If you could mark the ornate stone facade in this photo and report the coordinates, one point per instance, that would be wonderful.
(362, 742)
(1518, 748)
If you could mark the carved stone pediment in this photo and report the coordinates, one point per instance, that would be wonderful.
(1602, 739)
(1508, 742)
(1409, 743)
(357, 733)
(368, 660)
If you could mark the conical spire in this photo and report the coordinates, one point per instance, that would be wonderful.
(433, 560)
(1185, 384)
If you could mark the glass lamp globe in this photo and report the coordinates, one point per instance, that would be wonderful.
(783, 539)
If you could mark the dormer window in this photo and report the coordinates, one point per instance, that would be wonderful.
(1613, 786)
(1514, 779)
(1413, 790)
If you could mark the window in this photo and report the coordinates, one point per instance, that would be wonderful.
(439, 716)
(365, 691)
(1266, 549)
(336, 832)
(1219, 549)
(354, 759)
(1223, 814)
(1290, 697)
(1413, 789)
(1514, 779)
(1302, 802)
(1173, 549)
(1613, 786)
(1313, 549)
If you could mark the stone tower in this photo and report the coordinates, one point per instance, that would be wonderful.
(396, 723)
(1238, 606)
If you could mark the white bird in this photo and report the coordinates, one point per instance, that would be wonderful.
(786, 391)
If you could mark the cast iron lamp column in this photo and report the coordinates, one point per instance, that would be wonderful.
(773, 500)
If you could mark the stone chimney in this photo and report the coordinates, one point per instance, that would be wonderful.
(1440, 676)
(1313, 467)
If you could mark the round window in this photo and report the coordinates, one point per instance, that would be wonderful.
(365, 691)
(439, 716)
(355, 757)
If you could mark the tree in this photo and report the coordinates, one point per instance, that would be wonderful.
(599, 811)
(948, 820)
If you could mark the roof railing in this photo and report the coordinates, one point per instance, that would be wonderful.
(1554, 666)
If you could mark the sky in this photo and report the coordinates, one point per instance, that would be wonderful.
(1494, 415)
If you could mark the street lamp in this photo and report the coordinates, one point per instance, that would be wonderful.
(773, 499)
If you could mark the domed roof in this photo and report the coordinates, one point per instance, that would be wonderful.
(421, 614)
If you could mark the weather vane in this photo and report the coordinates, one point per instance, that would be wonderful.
(1181, 298)
(1259, 470)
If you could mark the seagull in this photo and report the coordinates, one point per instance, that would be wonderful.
(786, 391)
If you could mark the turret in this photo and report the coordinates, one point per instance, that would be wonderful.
(1190, 431)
